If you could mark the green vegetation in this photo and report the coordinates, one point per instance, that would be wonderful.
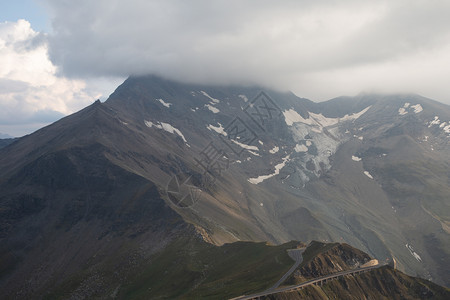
(191, 269)
(314, 249)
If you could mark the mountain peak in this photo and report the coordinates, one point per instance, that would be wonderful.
(238, 164)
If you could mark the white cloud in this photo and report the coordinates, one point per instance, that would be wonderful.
(318, 49)
(31, 95)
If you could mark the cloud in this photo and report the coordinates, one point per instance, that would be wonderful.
(317, 49)
(310, 47)
(31, 95)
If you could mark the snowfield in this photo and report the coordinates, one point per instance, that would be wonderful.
(166, 104)
(368, 174)
(300, 148)
(214, 100)
(212, 108)
(247, 147)
(291, 117)
(274, 150)
(219, 129)
(407, 108)
(417, 108)
(278, 167)
(166, 127)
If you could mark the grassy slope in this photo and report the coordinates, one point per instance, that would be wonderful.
(192, 269)
(314, 249)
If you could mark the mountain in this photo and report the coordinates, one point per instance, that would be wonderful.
(6, 142)
(5, 136)
(381, 283)
(88, 200)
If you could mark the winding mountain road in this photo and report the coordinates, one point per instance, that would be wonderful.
(316, 281)
(296, 255)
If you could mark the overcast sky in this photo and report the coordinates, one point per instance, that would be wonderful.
(63, 55)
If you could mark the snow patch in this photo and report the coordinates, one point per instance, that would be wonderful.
(402, 111)
(278, 167)
(214, 100)
(413, 253)
(167, 127)
(243, 97)
(324, 121)
(247, 147)
(368, 174)
(300, 148)
(436, 121)
(444, 125)
(356, 158)
(291, 117)
(212, 108)
(325, 141)
(219, 129)
(274, 150)
(150, 124)
(166, 104)
(447, 129)
(417, 108)
(253, 153)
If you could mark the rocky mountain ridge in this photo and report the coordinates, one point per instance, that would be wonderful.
(231, 164)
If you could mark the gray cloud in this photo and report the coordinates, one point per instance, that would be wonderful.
(12, 86)
(43, 117)
(30, 44)
(318, 49)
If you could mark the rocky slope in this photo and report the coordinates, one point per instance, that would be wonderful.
(322, 259)
(6, 142)
(383, 283)
(160, 159)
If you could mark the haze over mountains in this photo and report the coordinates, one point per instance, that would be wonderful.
(104, 189)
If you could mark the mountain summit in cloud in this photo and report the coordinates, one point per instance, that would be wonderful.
(316, 49)
(105, 190)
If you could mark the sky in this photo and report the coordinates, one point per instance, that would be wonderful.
(58, 56)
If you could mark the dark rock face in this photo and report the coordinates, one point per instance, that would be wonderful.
(72, 211)
(341, 257)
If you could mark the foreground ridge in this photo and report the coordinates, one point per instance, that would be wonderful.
(318, 281)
